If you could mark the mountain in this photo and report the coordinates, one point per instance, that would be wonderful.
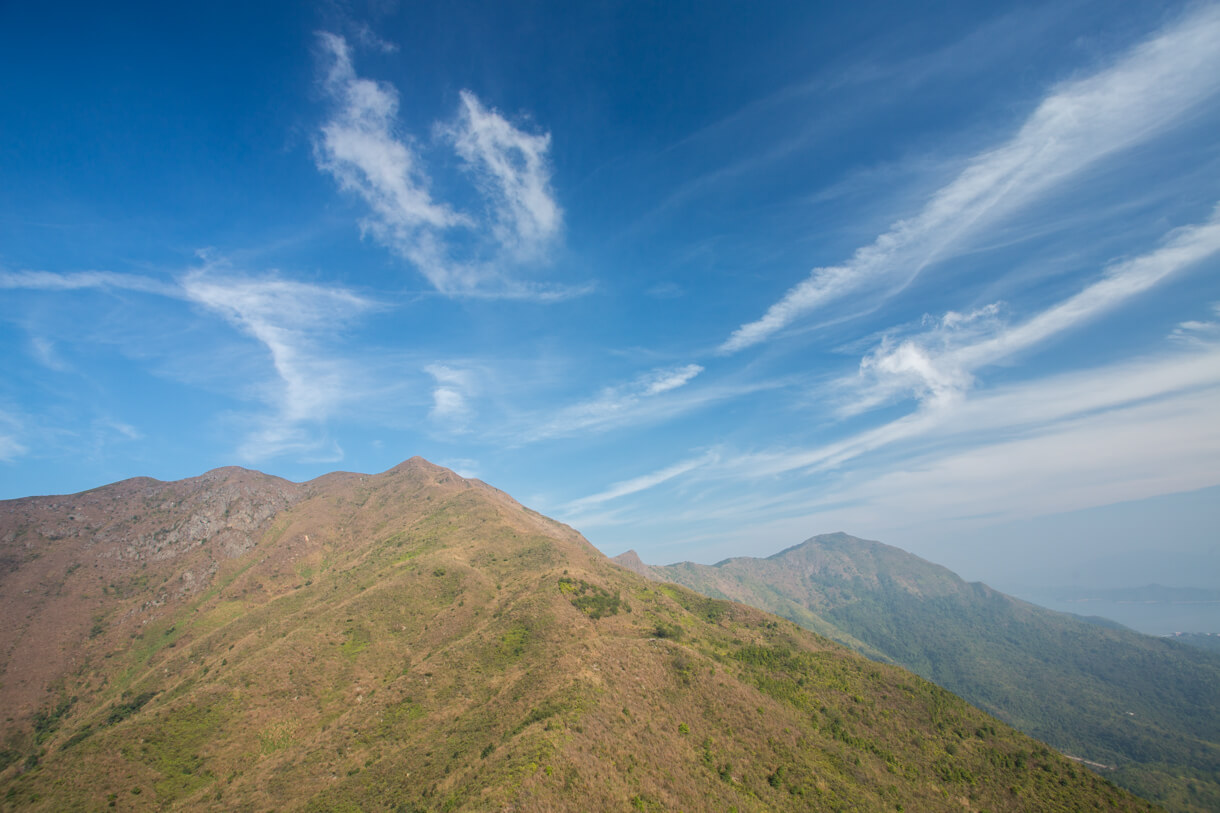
(417, 641)
(1209, 641)
(1143, 709)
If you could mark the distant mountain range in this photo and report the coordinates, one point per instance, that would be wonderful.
(417, 641)
(1146, 708)
(1202, 640)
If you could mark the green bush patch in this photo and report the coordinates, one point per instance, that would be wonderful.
(593, 601)
(123, 710)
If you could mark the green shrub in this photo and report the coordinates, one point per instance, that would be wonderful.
(122, 711)
(671, 631)
(593, 601)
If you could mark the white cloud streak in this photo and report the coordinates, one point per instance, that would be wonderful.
(1022, 408)
(361, 147)
(450, 404)
(1198, 333)
(666, 380)
(938, 365)
(280, 314)
(638, 484)
(286, 317)
(1081, 122)
(10, 447)
(84, 280)
(297, 323)
(111, 426)
(614, 406)
(44, 352)
(1136, 451)
(512, 170)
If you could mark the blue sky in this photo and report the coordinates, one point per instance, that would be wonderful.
(699, 279)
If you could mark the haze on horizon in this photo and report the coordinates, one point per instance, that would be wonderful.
(699, 280)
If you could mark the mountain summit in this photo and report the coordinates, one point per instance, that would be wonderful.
(414, 640)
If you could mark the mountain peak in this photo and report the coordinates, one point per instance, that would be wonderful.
(632, 561)
(836, 539)
(417, 463)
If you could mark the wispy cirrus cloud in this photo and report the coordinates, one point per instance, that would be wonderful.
(659, 381)
(1030, 406)
(82, 280)
(359, 147)
(10, 446)
(295, 322)
(362, 146)
(450, 397)
(635, 401)
(44, 352)
(289, 319)
(512, 169)
(638, 484)
(1131, 450)
(937, 366)
(1150, 88)
(963, 450)
(1198, 333)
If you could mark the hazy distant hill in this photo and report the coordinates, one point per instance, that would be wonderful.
(1147, 706)
(417, 641)
(1209, 641)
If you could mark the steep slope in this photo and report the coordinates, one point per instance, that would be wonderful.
(1145, 707)
(416, 641)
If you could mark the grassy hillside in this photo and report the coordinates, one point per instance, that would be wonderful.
(1144, 707)
(415, 641)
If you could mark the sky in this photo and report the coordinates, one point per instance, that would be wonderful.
(699, 279)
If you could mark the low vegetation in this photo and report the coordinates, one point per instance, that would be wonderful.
(593, 601)
(451, 651)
